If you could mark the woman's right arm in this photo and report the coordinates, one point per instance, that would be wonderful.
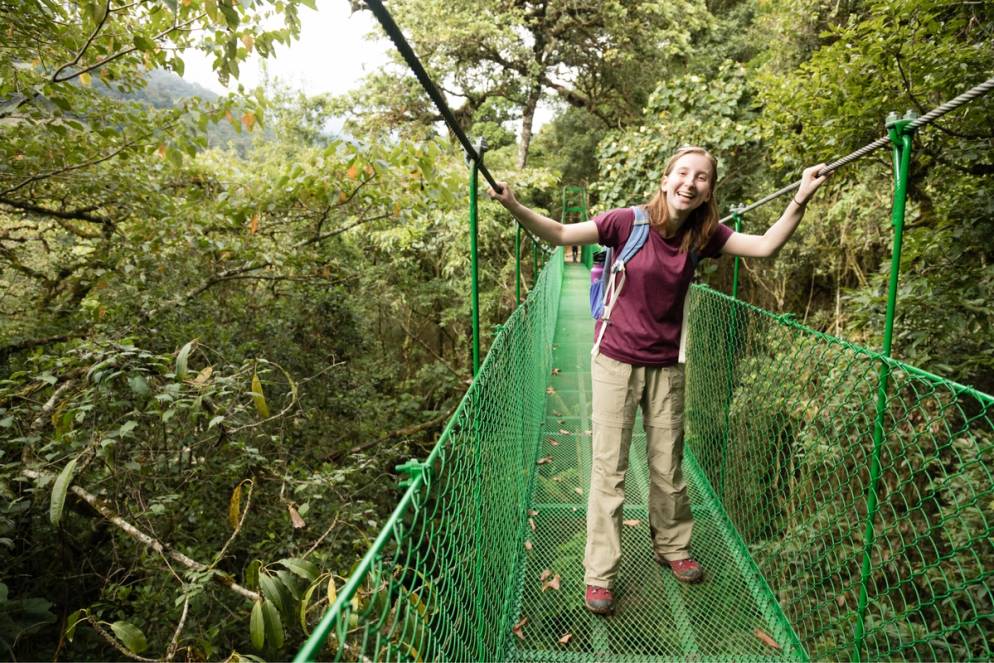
(551, 231)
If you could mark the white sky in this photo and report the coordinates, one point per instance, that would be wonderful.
(331, 56)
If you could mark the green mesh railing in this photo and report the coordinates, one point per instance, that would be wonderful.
(781, 419)
(437, 583)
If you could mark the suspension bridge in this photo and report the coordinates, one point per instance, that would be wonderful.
(843, 500)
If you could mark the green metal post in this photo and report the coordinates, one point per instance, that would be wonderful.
(737, 218)
(732, 324)
(517, 266)
(474, 272)
(477, 490)
(901, 139)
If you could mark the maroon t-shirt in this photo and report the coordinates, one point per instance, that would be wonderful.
(646, 320)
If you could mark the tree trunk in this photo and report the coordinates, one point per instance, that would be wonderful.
(527, 119)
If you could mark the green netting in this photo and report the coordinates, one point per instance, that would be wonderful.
(780, 426)
(781, 419)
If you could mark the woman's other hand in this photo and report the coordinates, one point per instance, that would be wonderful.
(810, 181)
(505, 197)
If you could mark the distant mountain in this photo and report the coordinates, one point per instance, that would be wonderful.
(165, 89)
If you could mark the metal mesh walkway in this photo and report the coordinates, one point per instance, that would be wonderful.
(657, 617)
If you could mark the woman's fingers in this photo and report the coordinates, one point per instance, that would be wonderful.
(505, 196)
(811, 180)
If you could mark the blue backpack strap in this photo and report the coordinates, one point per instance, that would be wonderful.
(636, 240)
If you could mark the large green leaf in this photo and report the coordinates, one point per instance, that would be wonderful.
(59, 489)
(130, 635)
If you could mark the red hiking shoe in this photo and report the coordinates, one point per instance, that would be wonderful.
(686, 570)
(599, 600)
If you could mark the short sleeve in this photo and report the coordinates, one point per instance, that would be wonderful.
(717, 242)
(614, 227)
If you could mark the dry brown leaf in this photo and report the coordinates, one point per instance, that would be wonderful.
(631, 522)
(555, 371)
(531, 523)
(578, 491)
(566, 638)
(550, 390)
(528, 545)
(552, 584)
(544, 460)
(554, 443)
(203, 376)
(516, 629)
(545, 574)
(295, 518)
(532, 512)
(765, 637)
(840, 600)
(563, 431)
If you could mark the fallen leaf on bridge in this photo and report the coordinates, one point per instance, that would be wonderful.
(765, 637)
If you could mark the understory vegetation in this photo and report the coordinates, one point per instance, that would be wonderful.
(222, 325)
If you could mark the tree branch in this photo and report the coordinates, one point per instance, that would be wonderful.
(114, 643)
(86, 46)
(114, 56)
(150, 542)
(81, 214)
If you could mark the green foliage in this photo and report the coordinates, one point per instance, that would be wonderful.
(513, 51)
(690, 110)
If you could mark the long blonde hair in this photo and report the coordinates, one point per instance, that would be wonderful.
(699, 226)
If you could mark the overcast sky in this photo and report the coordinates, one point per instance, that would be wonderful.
(332, 54)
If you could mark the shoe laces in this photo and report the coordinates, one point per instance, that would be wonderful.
(684, 564)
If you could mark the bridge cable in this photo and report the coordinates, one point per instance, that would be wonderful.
(928, 118)
(397, 37)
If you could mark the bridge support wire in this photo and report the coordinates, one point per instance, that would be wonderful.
(928, 118)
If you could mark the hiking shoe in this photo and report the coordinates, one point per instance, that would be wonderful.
(686, 570)
(599, 600)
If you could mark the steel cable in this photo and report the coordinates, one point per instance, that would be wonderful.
(397, 37)
(928, 118)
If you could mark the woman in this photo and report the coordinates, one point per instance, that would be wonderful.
(636, 361)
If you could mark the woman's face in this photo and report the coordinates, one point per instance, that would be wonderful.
(688, 185)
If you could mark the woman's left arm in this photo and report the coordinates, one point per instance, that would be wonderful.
(767, 244)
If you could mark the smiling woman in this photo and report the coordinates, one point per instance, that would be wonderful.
(636, 357)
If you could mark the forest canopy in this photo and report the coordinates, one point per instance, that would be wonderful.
(222, 325)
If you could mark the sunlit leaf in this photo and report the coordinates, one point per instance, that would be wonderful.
(59, 489)
(235, 506)
(257, 626)
(181, 361)
(258, 397)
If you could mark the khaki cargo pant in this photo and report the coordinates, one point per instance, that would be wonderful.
(618, 389)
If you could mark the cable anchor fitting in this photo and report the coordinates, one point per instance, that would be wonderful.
(412, 471)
